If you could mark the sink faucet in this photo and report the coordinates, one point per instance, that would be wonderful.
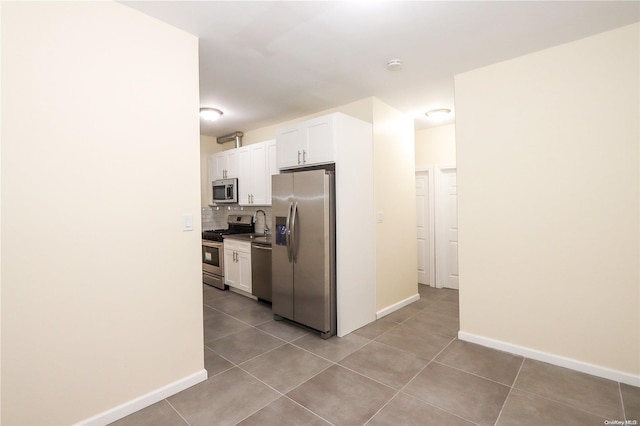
(255, 217)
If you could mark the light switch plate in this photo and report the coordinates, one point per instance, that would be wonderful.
(380, 217)
(187, 222)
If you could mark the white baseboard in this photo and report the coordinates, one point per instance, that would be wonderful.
(584, 367)
(144, 401)
(401, 304)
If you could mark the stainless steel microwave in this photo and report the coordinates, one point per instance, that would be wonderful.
(225, 191)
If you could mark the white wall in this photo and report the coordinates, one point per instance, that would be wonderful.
(395, 198)
(101, 290)
(548, 166)
(435, 145)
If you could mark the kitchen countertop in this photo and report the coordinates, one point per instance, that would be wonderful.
(252, 238)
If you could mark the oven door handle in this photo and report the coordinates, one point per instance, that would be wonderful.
(209, 243)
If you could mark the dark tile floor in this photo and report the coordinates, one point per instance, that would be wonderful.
(405, 369)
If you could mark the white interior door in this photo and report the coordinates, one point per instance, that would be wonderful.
(446, 228)
(424, 227)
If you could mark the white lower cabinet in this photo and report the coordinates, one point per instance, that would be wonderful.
(237, 264)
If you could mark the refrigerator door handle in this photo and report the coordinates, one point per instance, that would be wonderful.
(294, 232)
(288, 231)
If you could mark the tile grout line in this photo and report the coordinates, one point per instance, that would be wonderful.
(312, 412)
(504, 404)
(624, 413)
(332, 363)
(306, 409)
(421, 400)
(555, 401)
(472, 374)
(282, 394)
(178, 412)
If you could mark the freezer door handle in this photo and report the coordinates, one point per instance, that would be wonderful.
(288, 231)
(294, 233)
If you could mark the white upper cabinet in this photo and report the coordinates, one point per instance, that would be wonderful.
(225, 165)
(307, 143)
(272, 167)
(289, 141)
(211, 176)
(321, 141)
(252, 164)
(252, 182)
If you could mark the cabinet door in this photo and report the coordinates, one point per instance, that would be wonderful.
(244, 271)
(289, 140)
(258, 173)
(320, 141)
(220, 161)
(231, 270)
(245, 175)
(272, 167)
(211, 176)
(233, 163)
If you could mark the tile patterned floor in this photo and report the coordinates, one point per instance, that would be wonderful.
(405, 369)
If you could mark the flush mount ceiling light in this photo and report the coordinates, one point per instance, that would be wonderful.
(438, 114)
(394, 65)
(210, 114)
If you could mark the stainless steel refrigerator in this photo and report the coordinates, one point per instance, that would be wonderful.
(303, 256)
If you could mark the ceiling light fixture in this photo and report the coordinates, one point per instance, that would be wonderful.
(210, 114)
(438, 114)
(394, 65)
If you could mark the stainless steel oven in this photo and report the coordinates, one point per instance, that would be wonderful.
(213, 263)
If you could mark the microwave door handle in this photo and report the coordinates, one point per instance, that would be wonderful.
(229, 192)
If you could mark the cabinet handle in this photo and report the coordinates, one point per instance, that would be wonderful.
(304, 157)
(251, 198)
(298, 157)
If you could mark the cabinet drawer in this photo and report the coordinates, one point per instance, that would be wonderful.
(240, 246)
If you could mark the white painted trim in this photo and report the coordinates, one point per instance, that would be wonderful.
(129, 407)
(440, 233)
(401, 304)
(432, 222)
(573, 364)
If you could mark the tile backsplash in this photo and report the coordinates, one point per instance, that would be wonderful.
(216, 217)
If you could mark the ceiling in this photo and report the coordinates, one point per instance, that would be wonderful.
(266, 62)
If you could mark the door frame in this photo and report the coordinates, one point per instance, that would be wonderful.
(441, 238)
(432, 219)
